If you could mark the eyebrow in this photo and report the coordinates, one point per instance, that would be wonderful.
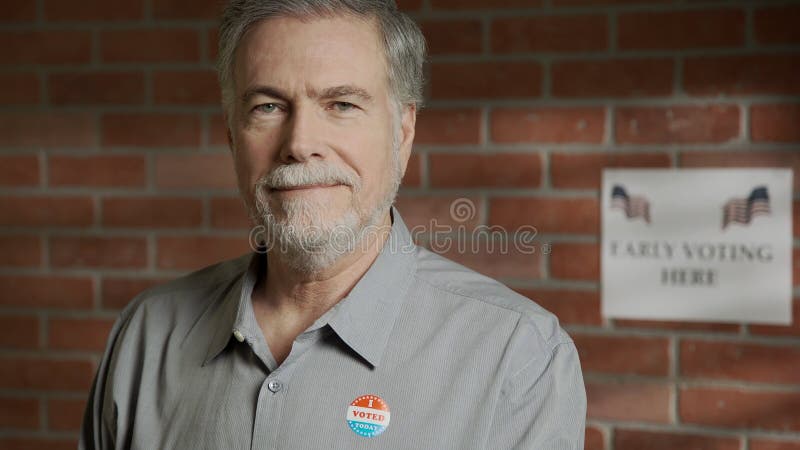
(346, 91)
(267, 91)
(328, 93)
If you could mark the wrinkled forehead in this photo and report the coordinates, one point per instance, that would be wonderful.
(336, 47)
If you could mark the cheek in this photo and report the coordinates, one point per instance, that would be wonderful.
(255, 156)
(376, 174)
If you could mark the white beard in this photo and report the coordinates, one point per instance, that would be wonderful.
(307, 240)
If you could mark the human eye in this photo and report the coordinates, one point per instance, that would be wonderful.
(266, 108)
(343, 106)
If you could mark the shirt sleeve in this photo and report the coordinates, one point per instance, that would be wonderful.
(543, 404)
(98, 429)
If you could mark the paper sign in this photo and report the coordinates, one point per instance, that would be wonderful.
(711, 245)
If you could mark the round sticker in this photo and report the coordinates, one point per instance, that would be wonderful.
(368, 415)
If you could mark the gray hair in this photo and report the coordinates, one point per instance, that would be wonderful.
(403, 42)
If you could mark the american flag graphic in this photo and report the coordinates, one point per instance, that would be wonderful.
(634, 206)
(742, 210)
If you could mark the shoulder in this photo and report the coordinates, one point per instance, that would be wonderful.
(534, 332)
(182, 299)
(457, 281)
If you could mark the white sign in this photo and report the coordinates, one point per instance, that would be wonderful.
(709, 245)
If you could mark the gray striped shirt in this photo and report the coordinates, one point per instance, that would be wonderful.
(423, 353)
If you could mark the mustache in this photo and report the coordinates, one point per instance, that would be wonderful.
(303, 174)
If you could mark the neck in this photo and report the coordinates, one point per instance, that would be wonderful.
(282, 289)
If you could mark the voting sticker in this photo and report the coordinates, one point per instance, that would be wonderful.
(368, 415)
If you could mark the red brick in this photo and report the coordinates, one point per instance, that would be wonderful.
(766, 444)
(681, 29)
(213, 44)
(413, 175)
(676, 325)
(46, 211)
(44, 373)
(195, 171)
(448, 126)
(65, 414)
(593, 439)
(782, 330)
(484, 4)
(560, 125)
(42, 291)
(45, 47)
(571, 307)
(187, 9)
(425, 215)
(501, 79)
(777, 25)
(644, 402)
(452, 36)
(117, 292)
(575, 261)
(20, 251)
(606, 2)
(775, 123)
(742, 75)
(97, 171)
(18, 12)
(740, 408)
(796, 218)
(38, 444)
(150, 45)
(492, 261)
(93, 10)
(740, 361)
(151, 130)
(744, 159)
(217, 132)
(408, 5)
(656, 440)
(194, 252)
(19, 332)
(472, 170)
(19, 413)
(19, 88)
(228, 213)
(612, 78)
(96, 88)
(19, 170)
(186, 88)
(78, 334)
(623, 354)
(91, 251)
(546, 214)
(47, 129)
(585, 170)
(586, 32)
(796, 267)
(152, 212)
(677, 124)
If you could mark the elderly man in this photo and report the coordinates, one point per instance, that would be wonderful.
(338, 332)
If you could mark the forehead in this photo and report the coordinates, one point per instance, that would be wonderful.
(316, 52)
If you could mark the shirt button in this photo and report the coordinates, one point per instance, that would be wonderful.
(274, 386)
(238, 335)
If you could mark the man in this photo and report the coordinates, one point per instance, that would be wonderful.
(339, 332)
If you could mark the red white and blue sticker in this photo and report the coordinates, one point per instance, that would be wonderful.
(368, 415)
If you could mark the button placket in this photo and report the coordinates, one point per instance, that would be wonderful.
(268, 419)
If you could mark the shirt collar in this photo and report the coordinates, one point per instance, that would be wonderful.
(363, 319)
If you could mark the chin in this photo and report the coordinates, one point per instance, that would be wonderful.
(309, 212)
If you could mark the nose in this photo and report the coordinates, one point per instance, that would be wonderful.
(302, 139)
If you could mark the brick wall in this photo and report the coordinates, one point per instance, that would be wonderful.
(114, 175)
